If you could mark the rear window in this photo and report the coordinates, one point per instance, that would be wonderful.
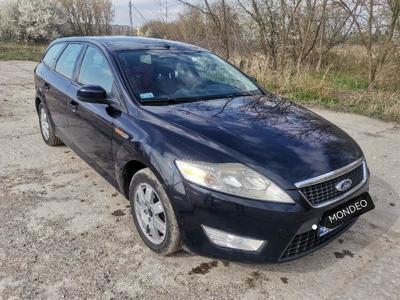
(52, 54)
(66, 62)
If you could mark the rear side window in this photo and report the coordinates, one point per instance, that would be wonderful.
(96, 70)
(52, 54)
(66, 62)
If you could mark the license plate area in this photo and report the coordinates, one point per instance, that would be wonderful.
(345, 212)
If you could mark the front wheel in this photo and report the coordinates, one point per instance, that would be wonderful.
(46, 128)
(153, 214)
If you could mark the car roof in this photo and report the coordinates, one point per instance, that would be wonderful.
(115, 43)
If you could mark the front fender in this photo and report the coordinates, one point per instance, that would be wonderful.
(157, 147)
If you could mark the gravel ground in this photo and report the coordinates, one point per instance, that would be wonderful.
(66, 233)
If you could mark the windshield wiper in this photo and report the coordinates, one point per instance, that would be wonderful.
(228, 96)
(195, 99)
(170, 100)
(238, 95)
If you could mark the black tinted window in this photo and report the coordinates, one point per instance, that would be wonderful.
(66, 62)
(96, 70)
(52, 54)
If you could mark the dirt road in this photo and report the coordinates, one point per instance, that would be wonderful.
(66, 233)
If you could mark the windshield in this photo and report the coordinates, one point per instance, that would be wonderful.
(158, 75)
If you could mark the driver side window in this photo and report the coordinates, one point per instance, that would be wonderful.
(95, 70)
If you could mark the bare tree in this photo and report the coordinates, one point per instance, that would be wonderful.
(374, 19)
(219, 16)
(290, 27)
(267, 27)
(336, 27)
(88, 17)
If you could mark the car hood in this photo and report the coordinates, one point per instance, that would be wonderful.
(278, 138)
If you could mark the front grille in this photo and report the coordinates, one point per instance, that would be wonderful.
(309, 241)
(320, 193)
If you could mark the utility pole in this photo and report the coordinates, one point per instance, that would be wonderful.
(130, 15)
(166, 10)
(226, 36)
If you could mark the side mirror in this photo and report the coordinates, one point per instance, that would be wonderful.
(92, 94)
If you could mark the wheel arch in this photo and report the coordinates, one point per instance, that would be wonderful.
(38, 100)
(128, 171)
(130, 168)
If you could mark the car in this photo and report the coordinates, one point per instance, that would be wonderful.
(209, 160)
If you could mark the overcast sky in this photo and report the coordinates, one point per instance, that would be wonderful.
(149, 9)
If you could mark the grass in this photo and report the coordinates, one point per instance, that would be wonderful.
(377, 104)
(13, 51)
(348, 82)
(311, 97)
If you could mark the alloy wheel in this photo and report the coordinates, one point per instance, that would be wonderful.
(44, 124)
(150, 213)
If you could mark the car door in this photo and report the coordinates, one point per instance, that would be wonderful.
(59, 82)
(53, 86)
(90, 125)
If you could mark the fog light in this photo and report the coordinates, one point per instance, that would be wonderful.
(229, 240)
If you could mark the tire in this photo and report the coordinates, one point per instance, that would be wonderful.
(46, 127)
(146, 224)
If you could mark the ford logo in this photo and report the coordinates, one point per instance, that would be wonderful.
(344, 185)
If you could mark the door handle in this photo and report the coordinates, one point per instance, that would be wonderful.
(73, 105)
(46, 86)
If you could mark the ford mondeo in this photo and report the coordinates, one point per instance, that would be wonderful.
(209, 160)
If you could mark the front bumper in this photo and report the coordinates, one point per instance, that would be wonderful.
(280, 225)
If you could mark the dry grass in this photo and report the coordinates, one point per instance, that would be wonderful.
(341, 85)
(378, 104)
(13, 51)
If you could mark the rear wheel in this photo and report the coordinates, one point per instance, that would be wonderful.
(46, 128)
(153, 214)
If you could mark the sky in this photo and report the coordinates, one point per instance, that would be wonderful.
(145, 10)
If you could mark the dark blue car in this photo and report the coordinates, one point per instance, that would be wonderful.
(208, 159)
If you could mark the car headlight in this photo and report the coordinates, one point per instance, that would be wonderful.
(232, 178)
